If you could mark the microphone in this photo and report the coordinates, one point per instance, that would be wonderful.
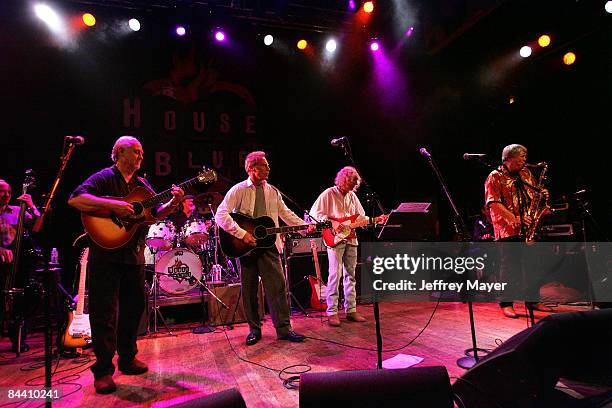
(424, 152)
(338, 142)
(77, 140)
(469, 156)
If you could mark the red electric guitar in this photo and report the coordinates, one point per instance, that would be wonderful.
(319, 290)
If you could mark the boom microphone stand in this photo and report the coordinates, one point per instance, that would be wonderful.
(462, 231)
(373, 201)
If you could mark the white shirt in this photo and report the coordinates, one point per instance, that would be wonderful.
(241, 199)
(333, 204)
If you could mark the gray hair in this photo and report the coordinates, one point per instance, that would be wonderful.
(346, 172)
(512, 150)
(252, 158)
(122, 142)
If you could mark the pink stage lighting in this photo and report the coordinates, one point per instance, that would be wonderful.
(220, 36)
(181, 31)
(374, 46)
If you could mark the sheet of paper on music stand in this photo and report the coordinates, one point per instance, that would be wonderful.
(413, 207)
(401, 361)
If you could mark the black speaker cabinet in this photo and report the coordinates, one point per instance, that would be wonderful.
(524, 370)
(423, 387)
(223, 399)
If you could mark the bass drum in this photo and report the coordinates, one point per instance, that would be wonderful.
(179, 271)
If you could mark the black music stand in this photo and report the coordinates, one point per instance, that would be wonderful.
(410, 222)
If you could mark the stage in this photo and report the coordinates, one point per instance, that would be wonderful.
(188, 365)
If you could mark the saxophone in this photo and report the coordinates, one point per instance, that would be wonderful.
(538, 206)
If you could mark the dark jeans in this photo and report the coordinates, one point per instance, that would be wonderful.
(116, 304)
(513, 268)
(264, 263)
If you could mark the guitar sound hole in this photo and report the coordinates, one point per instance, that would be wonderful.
(137, 208)
(259, 232)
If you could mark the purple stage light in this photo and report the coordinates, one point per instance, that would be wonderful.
(351, 5)
(181, 31)
(409, 31)
(220, 36)
(374, 46)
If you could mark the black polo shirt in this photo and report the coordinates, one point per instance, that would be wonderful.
(110, 182)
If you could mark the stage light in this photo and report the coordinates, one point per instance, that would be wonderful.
(268, 39)
(608, 6)
(511, 100)
(134, 24)
(49, 16)
(368, 6)
(89, 20)
(409, 32)
(220, 36)
(525, 51)
(374, 46)
(181, 31)
(351, 5)
(544, 40)
(569, 58)
(302, 44)
(331, 45)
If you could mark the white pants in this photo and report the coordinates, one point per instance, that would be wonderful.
(342, 258)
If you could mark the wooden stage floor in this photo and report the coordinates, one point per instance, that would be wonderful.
(190, 365)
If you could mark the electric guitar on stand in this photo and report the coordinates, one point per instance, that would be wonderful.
(78, 333)
(319, 289)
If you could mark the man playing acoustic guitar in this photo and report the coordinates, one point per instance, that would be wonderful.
(116, 286)
(341, 203)
(255, 197)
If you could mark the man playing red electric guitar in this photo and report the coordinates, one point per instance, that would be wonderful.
(337, 203)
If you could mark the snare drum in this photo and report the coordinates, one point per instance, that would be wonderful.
(179, 269)
(161, 235)
(195, 232)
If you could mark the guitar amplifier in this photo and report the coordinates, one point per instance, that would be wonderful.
(301, 246)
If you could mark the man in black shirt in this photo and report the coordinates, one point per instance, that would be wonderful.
(116, 277)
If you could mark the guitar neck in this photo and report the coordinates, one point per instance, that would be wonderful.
(82, 277)
(315, 259)
(166, 195)
(282, 230)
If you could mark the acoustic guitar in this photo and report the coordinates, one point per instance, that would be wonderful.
(263, 230)
(78, 333)
(109, 231)
(319, 289)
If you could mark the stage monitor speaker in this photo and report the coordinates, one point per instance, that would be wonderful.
(524, 370)
(232, 297)
(224, 399)
(423, 387)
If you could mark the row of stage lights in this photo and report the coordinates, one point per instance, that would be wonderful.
(544, 41)
(55, 23)
(52, 19)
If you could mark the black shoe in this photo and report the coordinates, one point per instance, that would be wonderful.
(105, 385)
(24, 347)
(134, 367)
(293, 336)
(252, 338)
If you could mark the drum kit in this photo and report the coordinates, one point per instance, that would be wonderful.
(183, 260)
(185, 257)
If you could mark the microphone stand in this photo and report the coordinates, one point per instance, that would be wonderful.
(461, 230)
(372, 200)
(64, 162)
